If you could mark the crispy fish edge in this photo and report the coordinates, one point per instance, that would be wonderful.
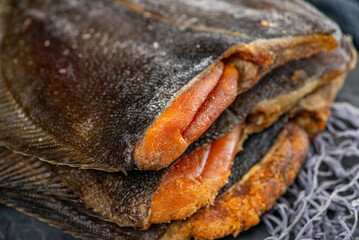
(240, 207)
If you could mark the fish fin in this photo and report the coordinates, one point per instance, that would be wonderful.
(71, 217)
(36, 188)
(124, 200)
(23, 135)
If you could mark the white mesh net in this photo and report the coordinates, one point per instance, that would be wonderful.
(323, 203)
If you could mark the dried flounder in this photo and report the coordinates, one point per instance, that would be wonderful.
(194, 180)
(124, 85)
(116, 85)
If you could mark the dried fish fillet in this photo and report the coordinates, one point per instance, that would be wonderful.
(27, 184)
(89, 83)
(257, 190)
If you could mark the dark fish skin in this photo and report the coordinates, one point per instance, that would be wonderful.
(73, 218)
(126, 200)
(40, 189)
(254, 149)
(277, 83)
(81, 81)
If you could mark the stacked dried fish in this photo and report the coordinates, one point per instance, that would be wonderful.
(124, 119)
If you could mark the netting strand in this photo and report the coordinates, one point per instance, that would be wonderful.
(323, 203)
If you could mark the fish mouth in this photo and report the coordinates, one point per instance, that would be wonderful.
(193, 112)
(188, 117)
(194, 180)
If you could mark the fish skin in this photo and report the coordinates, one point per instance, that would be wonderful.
(254, 148)
(113, 196)
(53, 54)
(242, 17)
(74, 218)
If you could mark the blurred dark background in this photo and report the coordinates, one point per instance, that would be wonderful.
(15, 225)
(344, 12)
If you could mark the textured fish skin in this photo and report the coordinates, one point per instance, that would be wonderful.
(126, 200)
(241, 17)
(73, 218)
(255, 147)
(82, 81)
(110, 194)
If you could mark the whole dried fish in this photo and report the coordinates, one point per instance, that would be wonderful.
(101, 84)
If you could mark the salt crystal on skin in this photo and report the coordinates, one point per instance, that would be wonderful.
(66, 52)
(156, 45)
(47, 43)
(62, 71)
(86, 36)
